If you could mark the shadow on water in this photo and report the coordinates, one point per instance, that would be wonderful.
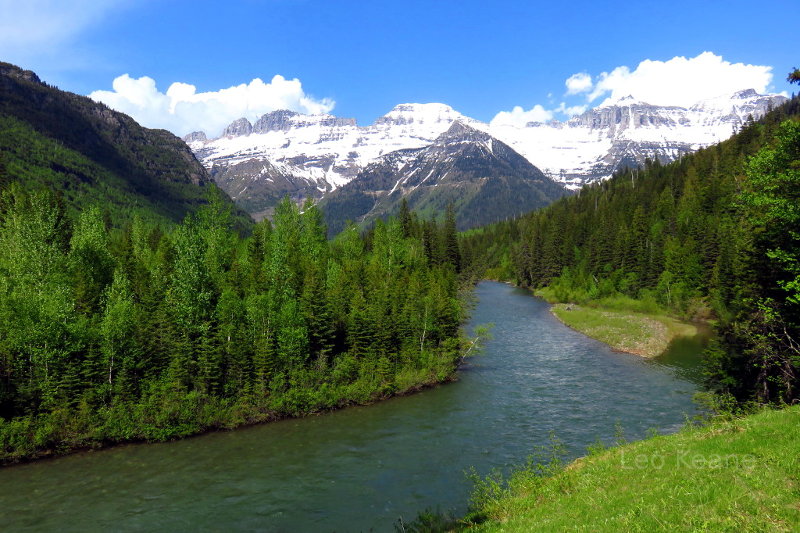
(684, 354)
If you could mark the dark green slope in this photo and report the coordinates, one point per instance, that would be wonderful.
(715, 235)
(91, 154)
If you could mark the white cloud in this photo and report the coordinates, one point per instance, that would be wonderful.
(578, 83)
(681, 81)
(571, 111)
(677, 82)
(518, 117)
(182, 109)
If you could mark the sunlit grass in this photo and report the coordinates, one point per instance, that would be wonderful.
(628, 331)
(733, 475)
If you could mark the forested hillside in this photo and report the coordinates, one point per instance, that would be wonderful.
(713, 235)
(92, 155)
(114, 332)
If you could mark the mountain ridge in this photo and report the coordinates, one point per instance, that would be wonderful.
(483, 178)
(317, 154)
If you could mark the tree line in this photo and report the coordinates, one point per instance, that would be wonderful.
(152, 331)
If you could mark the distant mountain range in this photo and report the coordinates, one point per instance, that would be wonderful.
(310, 156)
(90, 154)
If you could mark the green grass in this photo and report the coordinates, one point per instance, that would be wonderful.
(732, 475)
(642, 334)
(640, 327)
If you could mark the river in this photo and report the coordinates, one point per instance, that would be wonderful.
(362, 468)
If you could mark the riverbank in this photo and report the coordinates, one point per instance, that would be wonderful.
(627, 325)
(731, 475)
(636, 333)
(360, 468)
(169, 415)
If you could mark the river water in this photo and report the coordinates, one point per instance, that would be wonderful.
(361, 468)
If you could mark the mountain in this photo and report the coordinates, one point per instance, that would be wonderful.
(482, 177)
(308, 156)
(90, 154)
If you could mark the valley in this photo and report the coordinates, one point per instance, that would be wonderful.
(290, 320)
(363, 468)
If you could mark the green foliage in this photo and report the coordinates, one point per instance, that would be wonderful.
(428, 521)
(140, 332)
(490, 492)
(93, 156)
(772, 202)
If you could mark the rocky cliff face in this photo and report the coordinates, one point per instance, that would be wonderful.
(238, 128)
(195, 136)
(276, 121)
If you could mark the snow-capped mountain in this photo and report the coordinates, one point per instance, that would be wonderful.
(626, 131)
(482, 177)
(284, 152)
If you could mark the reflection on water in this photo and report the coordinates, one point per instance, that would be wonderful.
(362, 468)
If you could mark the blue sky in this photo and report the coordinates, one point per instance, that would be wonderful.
(360, 58)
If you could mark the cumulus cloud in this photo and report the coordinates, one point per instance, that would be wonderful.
(680, 81)
(571, 111)
(578, 83)
(518, 117)
(181, 109)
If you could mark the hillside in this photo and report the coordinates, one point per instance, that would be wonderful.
(713, 235)
(92, 155)
(733, 475)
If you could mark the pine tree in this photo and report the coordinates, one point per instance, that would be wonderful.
(452, 253)
(406, 222)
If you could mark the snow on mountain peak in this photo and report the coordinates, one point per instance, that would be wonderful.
(627, 101)
(461, 131)
(622, 101)
(747, 93)
(738, 106)
(327, 151)
(431, 113)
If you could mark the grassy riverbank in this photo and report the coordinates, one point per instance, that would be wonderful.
(732, 475)
(624, 324)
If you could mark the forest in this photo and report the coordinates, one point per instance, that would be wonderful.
(713, 236)
(129, 330)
